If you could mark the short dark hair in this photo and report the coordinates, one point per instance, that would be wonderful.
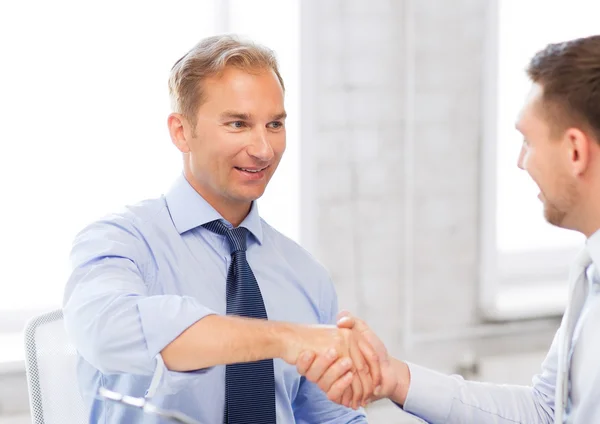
(569, 74)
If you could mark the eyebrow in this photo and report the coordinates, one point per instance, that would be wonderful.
(229, 114)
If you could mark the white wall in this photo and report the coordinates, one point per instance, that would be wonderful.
(392, 117)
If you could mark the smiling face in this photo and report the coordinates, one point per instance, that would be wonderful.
(547, 158)
(238, 139)
(560, 123)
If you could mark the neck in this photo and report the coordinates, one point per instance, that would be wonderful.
(590, 228)
(234, 216)
(587, 222)
(587, 211)
(234, 212)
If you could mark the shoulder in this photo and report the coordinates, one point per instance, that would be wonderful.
(133, 218)
(125, 232)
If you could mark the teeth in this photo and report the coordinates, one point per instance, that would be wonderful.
(249, 170)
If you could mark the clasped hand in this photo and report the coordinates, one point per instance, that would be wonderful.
(350, 364)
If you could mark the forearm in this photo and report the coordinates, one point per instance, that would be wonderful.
(439, 398)
(220, 340)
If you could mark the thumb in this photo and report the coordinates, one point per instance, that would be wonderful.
(343, 313)
(346, 322)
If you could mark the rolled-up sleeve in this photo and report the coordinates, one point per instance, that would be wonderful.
(109, 316)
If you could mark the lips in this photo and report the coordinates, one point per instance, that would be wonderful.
(252, 170)
(252, 173)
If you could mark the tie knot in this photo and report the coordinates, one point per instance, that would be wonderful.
(235, 236)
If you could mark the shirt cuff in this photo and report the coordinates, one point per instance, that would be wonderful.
(430, 394)
(166, 382)
(163, 319)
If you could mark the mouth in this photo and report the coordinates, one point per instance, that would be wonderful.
(252, 173)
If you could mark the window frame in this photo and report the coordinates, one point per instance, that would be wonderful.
(507, 280)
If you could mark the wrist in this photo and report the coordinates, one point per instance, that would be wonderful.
(285, 340)
(402, 373)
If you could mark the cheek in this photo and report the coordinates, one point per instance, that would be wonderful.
(210, 163)
(278, 144)
(532, 163)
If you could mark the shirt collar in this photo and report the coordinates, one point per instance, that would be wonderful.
(593, 246)
(189, 210)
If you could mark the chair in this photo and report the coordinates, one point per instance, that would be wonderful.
(50, 364)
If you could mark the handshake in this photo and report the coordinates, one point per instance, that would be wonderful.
(348, 362)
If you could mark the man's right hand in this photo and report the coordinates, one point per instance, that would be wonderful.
(331, 378)
(346, 350)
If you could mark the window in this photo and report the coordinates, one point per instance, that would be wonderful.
(525, 260)
(84, 107)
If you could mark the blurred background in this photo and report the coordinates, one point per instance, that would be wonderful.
(400, 174)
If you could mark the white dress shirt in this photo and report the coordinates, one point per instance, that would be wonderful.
(439, 398)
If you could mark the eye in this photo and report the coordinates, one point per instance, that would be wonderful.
(275, 125)
(237, 124)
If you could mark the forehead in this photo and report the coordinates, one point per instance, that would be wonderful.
(256, 89)
(529, 114)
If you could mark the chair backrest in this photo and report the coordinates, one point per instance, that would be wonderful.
(51, 366)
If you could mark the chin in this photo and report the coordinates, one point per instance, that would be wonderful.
(250, 195)
(554, 216)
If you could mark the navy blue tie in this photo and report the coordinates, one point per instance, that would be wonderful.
(249, 387)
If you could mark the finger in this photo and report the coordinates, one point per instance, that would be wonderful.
(357, 391)
(321, 363)
(343, 313)
(372, 359)
(362, 371)
(346, 322)
(347, 397)
(338, 389)
(336, 371)
(305, 360)
(360, 324)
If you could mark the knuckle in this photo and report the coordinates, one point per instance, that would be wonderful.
(312, 376)
(345, 363)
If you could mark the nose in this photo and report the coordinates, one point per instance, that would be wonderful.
(261, 148)
(521, 160)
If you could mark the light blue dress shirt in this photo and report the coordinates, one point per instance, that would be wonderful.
(142, 276)
(441, 399)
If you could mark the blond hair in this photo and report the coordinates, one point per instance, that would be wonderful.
(209, 58)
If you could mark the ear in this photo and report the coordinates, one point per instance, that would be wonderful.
(579, 145)
(177, 124)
